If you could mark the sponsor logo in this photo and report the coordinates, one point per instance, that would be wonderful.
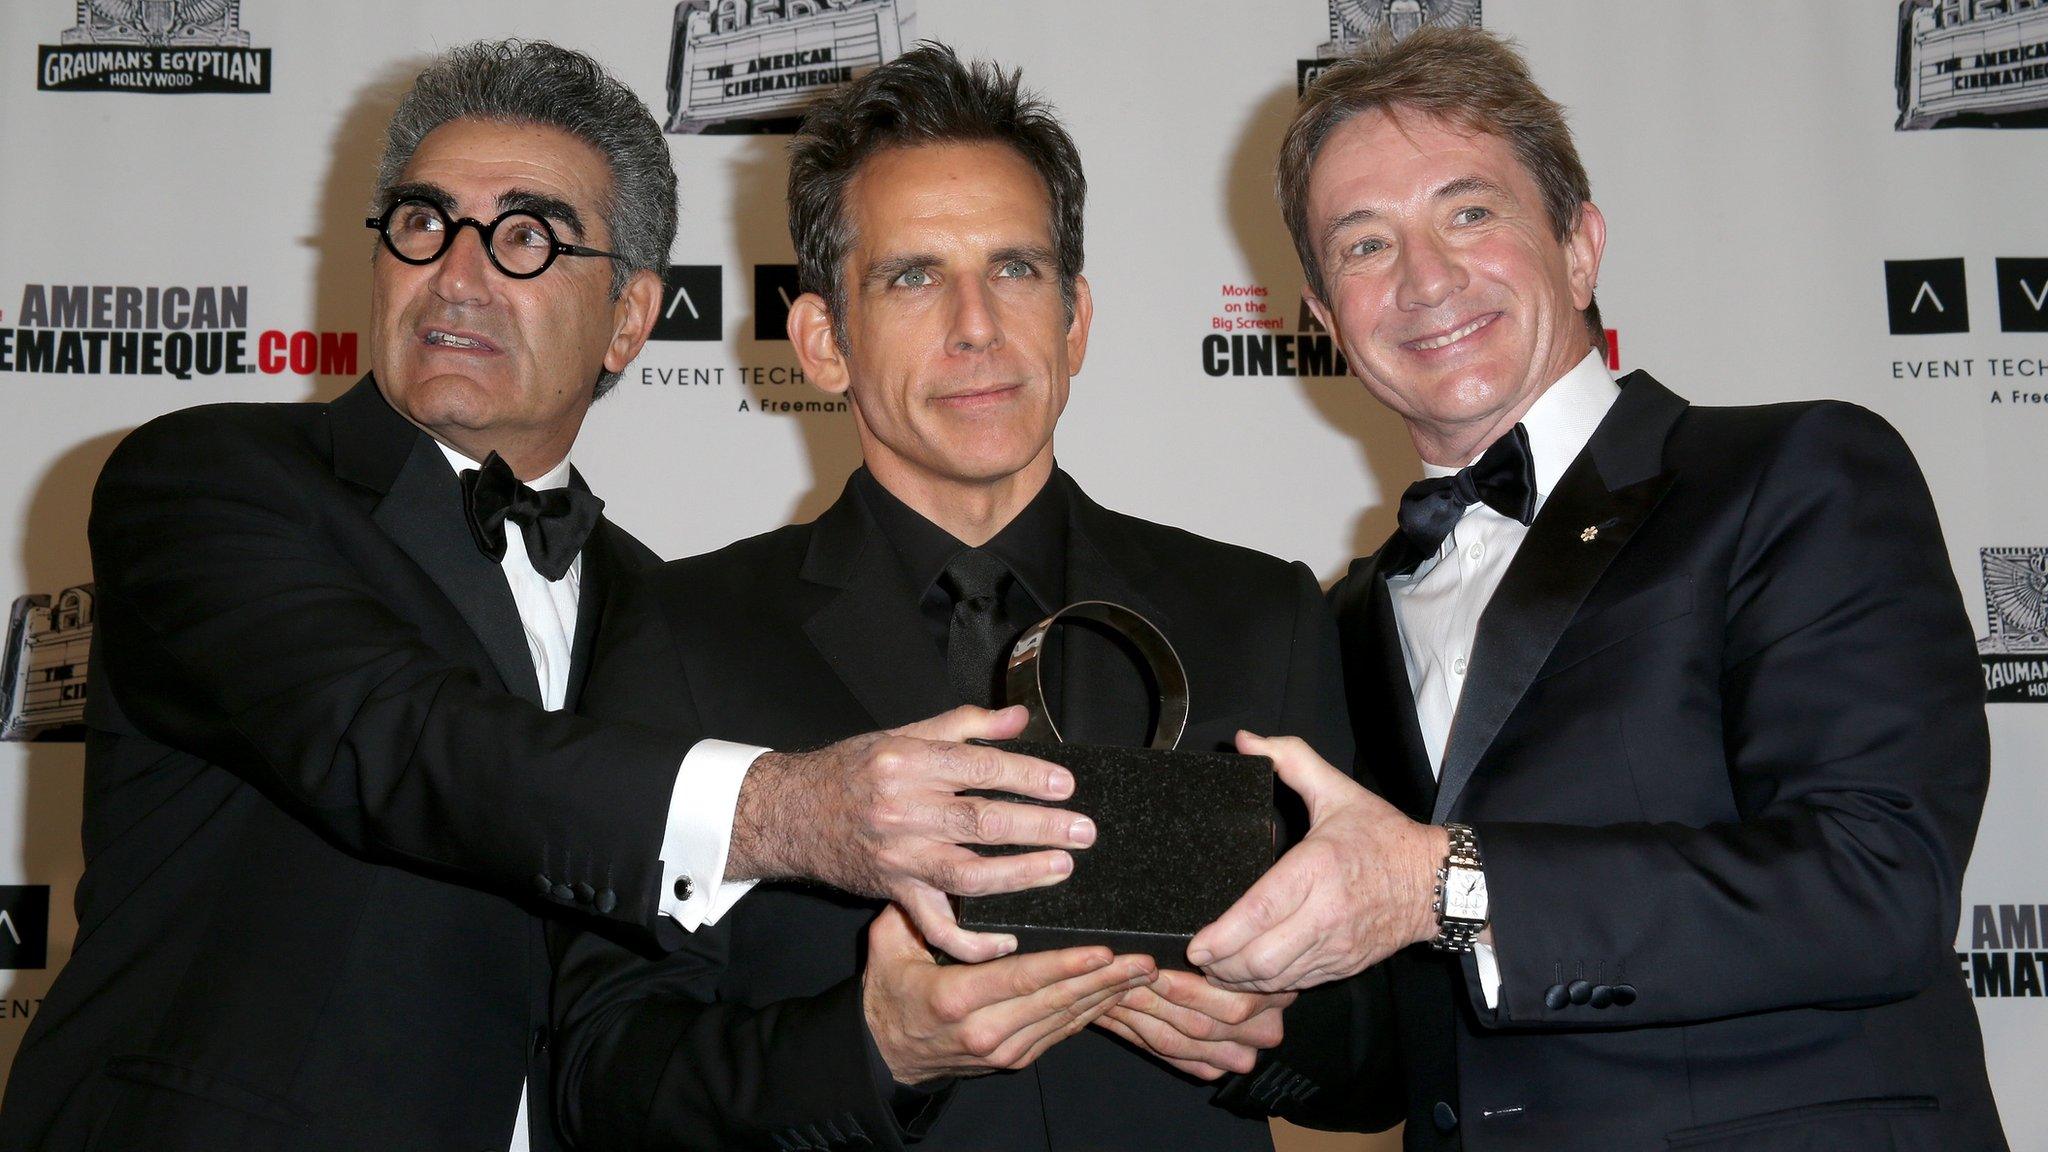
(42, 671)
(1972, 64)
(159, 46)
(775, 290)
(762, 381)
(151, 330)
(2015, 653)
(1356, 21)
(2006, 956)
(753, 65)
(1924, 297)
(691, 303)
(2022, 294)
(24, 925)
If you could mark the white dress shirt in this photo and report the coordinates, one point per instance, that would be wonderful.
(1437, 607)
(700, 811)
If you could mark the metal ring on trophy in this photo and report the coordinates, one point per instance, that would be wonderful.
(1024, 679)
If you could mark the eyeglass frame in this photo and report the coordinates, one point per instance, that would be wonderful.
(485, 232)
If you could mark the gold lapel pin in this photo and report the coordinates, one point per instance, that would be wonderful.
(1591, 534)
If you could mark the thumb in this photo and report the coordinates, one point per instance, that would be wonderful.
(969, 723)
(890, 936)
(1298, 767)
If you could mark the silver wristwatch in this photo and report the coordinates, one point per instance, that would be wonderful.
(1460, 893)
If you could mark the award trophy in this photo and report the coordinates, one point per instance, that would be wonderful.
(1179, 835)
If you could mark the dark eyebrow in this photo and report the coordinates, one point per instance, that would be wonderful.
(546, 207)
(431, 193)
(1462, 186)
(1470, 186)
(890, 267)
(1036, 255)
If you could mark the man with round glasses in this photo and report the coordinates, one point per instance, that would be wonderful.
(333, 774)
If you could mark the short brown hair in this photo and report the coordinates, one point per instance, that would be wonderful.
(925, 96)
(1465, 76)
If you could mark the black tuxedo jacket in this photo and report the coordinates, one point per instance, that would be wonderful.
(322, 803)
(1724, 746)
(752, 1035)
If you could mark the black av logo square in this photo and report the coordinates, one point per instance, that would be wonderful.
(2023, 293)
(24, 925)
(1926, 296)
(774, 291)
(690, 303)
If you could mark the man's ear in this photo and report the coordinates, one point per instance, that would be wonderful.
(634, 314)
(1582, 248)
(1318, 309)
(817, 345)
(1077, 327)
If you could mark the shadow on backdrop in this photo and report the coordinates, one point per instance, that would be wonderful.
(760, 182)
(1262, 239)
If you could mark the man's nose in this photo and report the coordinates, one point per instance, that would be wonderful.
(1430, 273)
(463, 273)
(975, 325)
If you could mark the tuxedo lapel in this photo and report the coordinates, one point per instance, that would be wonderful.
(1102, 694)
(870, 632)
(423, 514)
(1602, 498)
(1383, 719)
(601, 569)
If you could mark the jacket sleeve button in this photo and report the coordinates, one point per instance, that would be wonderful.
(1579, 991)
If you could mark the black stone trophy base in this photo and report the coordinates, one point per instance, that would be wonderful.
(1179, 837)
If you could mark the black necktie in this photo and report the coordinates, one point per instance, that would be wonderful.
(555, 523)
(979, 632)
(1503, 479)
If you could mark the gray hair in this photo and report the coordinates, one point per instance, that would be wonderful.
(535, 82)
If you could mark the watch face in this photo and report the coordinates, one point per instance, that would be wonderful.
(1465, 894)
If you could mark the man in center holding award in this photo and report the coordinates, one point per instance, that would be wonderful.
(937, 216)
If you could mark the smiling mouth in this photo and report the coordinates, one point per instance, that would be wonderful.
(1449, 338)
(439, 338)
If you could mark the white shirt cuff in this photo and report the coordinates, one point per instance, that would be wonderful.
(1489, 972)
(694, 890)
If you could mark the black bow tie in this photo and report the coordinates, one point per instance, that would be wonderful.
(555, 523)
(1503, 479)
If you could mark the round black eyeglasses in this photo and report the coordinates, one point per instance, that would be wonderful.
(520, 244)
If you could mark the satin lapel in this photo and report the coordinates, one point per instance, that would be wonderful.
(1102, 696)
(601, 569)
(422, 513)
(871, 633)
(1382, 704)
(1582, 527)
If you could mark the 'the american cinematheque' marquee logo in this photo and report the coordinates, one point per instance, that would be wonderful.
(754, 65)
(2015, 654)
(162, 46)
(2006, 956)
(1972, 64)
(1354, 21)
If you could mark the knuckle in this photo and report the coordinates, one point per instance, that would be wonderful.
(962, 821)
(991, 823)
(981, 1041)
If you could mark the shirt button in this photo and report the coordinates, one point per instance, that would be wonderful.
(1458, 666)
(1476, 550)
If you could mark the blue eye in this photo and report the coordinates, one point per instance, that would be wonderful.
(1017, 269)
(914, 278)
(1367, 247)
(1471, 215)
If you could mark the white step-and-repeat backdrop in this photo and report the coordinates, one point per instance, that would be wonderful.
(1827, 198)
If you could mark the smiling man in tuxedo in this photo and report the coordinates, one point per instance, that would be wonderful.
(937, 218)
(1672, 712)
(330, 779)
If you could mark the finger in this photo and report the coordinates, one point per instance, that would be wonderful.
(1112, 1023)
(1189, 992)
(1276, 961)
(1028, 1013)
(1041, 1032)
(929, 909)
(969, 723)
(1059, 976)
(1169, 1043)
(973, 820)
(1277, 895)
(950, 868)
(961, 766)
